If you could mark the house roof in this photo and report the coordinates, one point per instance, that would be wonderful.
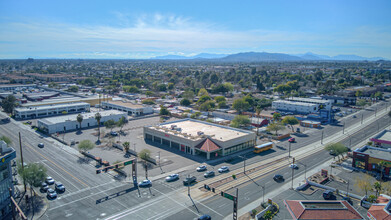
(379, 210)
(321, 210)
(208, 146)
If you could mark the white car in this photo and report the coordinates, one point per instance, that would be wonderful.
(201, 168)
(293, 166)
(145, 183)
(172, 177)
(223, 169)
(49, 180)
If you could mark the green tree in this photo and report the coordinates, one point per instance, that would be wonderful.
(145, 154)
(378, 95)
(359, 93)
(162, 87)
(361, 102)
(220, 99)
(164, 111)
(6, 139)
(203, 92)
(126, 146)
(73, 89)
(203, 99)
(109, 124)
(9, 103)
(79, 119)
(149, 93)
(98, 117)
(336, 149)
(85, 145)
(277, 116)
(240, 121)
(131, 89)
(93, 91)
(170, 86)
(148, 102)
(363, 184)
(275, 127)
(185, 102)
(290, 120)
(207, 106)
(121, 123)
(378, 187)
(222, 105)
(240, 105)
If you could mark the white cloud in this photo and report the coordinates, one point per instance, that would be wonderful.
(149, 35)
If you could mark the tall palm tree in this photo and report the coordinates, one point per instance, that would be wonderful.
(79, 119)
(377, 186)
(126, 146)
(98, 117)
(258, 111)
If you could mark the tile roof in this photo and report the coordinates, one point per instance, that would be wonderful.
(208, 146)
(377, 210)
(299, 211)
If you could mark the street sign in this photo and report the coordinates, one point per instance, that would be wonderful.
(229, 196)
(128, 162)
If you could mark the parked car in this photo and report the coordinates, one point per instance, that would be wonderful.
(49, 180)
(145, 183)
(223, 169)
(292, 140)
(59, 187)
(205, 217)
(172, 177)
(201, 168)
(209, 174)
(278, 178)
(328, 194)
(41, 145)
(51, 194)
(189, 180)
(44, 187)
(113, 133)
(293, 166)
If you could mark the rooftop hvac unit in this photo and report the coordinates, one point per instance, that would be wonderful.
(200, 133)
(178, 129)
(173, 127)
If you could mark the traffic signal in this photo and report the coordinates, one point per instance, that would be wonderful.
(222, 193)
(105, 169)
(213, 189)
(116, 166)
(98, 171)
(206, 187)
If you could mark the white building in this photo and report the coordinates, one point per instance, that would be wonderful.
(198, 137)
(322, 104)
(69, 122)
(50, 110)
(298, 107)
(130, 108)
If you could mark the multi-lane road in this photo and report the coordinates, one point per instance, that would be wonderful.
(92, 196)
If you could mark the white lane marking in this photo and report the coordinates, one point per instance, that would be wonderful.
(60, 175)
(85, 189)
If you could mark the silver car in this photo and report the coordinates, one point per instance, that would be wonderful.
(172, 177)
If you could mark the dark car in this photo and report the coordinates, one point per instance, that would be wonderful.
(278, 178)
(189, 180)
(205, 217)
(328, 194)
(209, 174)
(44, 187)
(59, 187)
(51, 193)
(41, 145)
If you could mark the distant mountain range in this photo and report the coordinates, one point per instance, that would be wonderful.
(264, 56)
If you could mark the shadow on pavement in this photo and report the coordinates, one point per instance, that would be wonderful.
(115, 195)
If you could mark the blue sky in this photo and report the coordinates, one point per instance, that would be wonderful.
(143, 29)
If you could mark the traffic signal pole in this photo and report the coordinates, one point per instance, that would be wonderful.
(21, 157)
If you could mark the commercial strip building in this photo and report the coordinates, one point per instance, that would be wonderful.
(10, 87)
(322, 104)
(382, 140)
(297, 107)
(340, 100)
(50, 110)
(368, 158)
(320, 209)
(69, 122)
(130, 108)
(200, 138)
(310, 124)
(381, 210)
(7, 154)
(93, 101)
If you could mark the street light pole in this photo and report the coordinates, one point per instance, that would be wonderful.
(21, 157)
(321, 140)
(343, 128)
(263, 193)
(375, 112)
(347, 190)
(362, 117)
(292, 173)
(244, 161)
(289, 150)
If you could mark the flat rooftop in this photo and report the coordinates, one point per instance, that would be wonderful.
(60, 100)
(323, 205)
(51, 106)
(190, 129)
(290, 102)
(375, 152)
(385, 135)
(126, 104)
(59, 119)
(318, 101)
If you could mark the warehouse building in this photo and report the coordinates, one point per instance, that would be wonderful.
(297, 107)
(200, 138)
(69, 122)
(50, 110)
(130, 108)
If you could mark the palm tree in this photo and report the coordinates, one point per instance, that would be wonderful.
(377, 186)
(381, 165)
(97, 118)
(258, 111)
(126, 146)
(79, 119)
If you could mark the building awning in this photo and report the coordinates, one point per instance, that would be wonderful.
(208, 146)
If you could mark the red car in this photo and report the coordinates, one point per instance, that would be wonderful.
(291, 140)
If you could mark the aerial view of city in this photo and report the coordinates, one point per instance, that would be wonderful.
(195, 110)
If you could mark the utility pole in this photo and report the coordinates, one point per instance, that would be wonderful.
(263, 193)
(292, 173)
(375, 111)
(347, 190)
(305, 171)
(12, 205)
(362, 118)
(160, 165)
(289, 155)
(244, 161)
(188, 186)
(321, 140)
(343, 128)
(146, 169)
(134, 147)
(235, 211)
(21, 156)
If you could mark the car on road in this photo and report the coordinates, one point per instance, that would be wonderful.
(51, 194)
(209, 174)
(49, 180)
(328, 194)
(354, 116)
(278, 178)
(172, 177)
(294, 166)
(201, 168)
(339, 114)
(223, 169)
(59, 187)
(145, 183)
(205, 217)
(44, 187)
(113, 133)
(41, 145)
(292, 140)
(189, 180)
